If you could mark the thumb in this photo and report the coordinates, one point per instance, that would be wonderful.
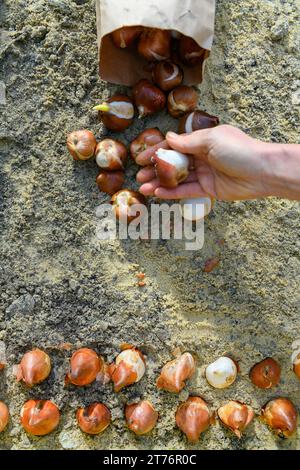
(196, 143)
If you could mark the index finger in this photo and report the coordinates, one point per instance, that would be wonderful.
(144, 158)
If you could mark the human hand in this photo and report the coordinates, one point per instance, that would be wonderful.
(227, 165)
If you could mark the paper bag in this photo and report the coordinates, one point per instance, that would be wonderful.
(194, 18)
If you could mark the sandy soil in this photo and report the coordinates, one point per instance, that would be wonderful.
(60, 284)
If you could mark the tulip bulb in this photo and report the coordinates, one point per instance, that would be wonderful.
(125, 37)
(182, 100)
(129, 368)
(123, 201)
(81, 144)
(34, 367)
(39, 417)
(236, 416)
(190, 52)
(266, 373)
(167, 75)
(111, 155)
(148, 98)
(221, 373)
(195, 121)
(141, 417)
(155, 45)
(93, 419)
(280, 415)
(4, 416)
(193, 417)
(110, 181)
(174, 373)
(296, 366)
(144, 140)
(85, 365)
(195, 208)
(117, 113)
(171, 167)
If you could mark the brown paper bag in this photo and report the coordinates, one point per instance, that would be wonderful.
(194, 18)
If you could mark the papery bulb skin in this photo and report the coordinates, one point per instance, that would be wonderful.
(34, 367)
(111, 155)
(141, 417)
(193, 418)
(81, 144)
(171, 167)
(126, 37)
(110, 181)
(281, 416)
(210, 264)
(93, 419)
(182, 100)
(167, 75)
(117, 113)
(39, 417)
(4, 416)
(195, 208)
(174, 374)
(236, 416)
(129, 368)
(296, 366)
(266, 373)
(144, 140)
(221, 373)
(195, 121)
(85, 365)
(190, 52)
(155, 45)
(148, 98)
(123, 201)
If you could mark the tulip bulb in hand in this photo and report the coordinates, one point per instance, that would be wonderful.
(144, 140)
(171, 167)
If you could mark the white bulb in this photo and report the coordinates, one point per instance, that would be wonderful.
(195, 209)
(221, 373)
(178, 159)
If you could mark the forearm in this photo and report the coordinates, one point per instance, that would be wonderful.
(281, 170)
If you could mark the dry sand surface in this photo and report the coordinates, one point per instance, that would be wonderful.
(59, 283)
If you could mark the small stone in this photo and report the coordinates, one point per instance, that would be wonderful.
(69, 440)
(24, 304)
(279, 30)
(183, 395)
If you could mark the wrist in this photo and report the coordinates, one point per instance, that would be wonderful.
(281, 169)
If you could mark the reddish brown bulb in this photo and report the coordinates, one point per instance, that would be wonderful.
(81, 144)
(171, 167)
(34, 367)
(236, 416)
(125, 37)
(195, 121)
(296, 366)
(167, 75)
(111, 154)
(144, 140)
(141, 417)
(129, 368)
(193, 418)
(110, 181)
(4, 416)
(148, 98)
(85, 365)
(281, 416)
(155, 45)
(93, 419)
(39, 417)
(190, 52)
(123, 201)
(266, 373)
(182, 100)
(174, 374)
(117, 113)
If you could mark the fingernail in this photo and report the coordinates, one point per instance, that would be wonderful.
(172, 135)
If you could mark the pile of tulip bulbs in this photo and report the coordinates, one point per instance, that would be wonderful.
(164, 50)
(192, 417)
